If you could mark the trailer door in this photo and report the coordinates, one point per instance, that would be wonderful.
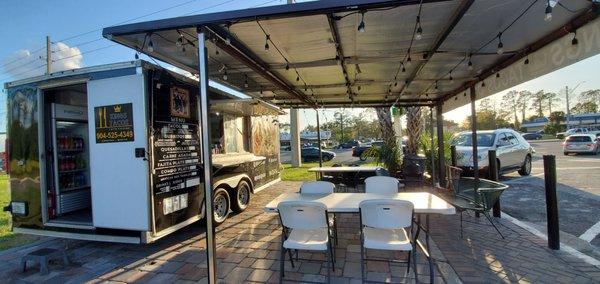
(118, 144)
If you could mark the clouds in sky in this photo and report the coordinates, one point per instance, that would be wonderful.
(26, 63)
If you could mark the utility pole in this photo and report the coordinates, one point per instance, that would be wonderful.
(568, 107)
(48, 55)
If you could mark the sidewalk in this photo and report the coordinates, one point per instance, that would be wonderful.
(248, 251)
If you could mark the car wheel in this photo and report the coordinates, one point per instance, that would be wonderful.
(526, 168)
(242, 195)
(221, 205)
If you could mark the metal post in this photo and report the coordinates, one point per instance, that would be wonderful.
(432, 154)
(474, 143)
(295, 138)
(493, 175)
(453, 156)
(440, 138)
(48, 55)
(319, 139)
(551, 201)
(203, 103)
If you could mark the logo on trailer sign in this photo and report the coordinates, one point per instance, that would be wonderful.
(114, 123)
(180, 102)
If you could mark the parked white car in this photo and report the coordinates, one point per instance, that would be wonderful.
(562, 135)
(512, 151)
(582, 143)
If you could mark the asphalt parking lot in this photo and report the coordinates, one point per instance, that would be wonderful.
(578, 193)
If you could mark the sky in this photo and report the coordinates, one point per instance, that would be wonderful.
(76, 26)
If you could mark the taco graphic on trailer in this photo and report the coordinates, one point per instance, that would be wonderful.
(180, 102)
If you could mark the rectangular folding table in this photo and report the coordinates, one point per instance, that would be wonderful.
(345, 170)
(424, 203)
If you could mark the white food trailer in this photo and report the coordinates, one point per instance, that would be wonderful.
(112, 152)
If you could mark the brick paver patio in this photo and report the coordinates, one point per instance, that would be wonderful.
(248, 251)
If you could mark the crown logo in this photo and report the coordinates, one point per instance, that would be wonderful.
(117, 108)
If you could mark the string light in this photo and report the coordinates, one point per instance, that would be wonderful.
(574, 41)
(419, 33)
(361, 25)
(137, 56)
(179, 42)
(287, 66)
(526, 62)
(500, 44)
(436, 85)
(498, 75)
(267, 38)
(548, 16)
(228, 39)
(450, 74)
(483, 84)
(225, 74)
(245, 80)
(183, 48)
(403, 68)
(150, 46)
(408, 60)
(469, 63)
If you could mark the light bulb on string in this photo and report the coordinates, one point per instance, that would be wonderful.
(548, 16)
(526, 62)
(500, 45)
(137, 56)
(498, 75)
(267, 38)
(403, 68)
(436, 85)
(297, 78)
(179, 42)
(483, 84)
(150, 46)
(245, 80)
(408, 60)
(287, 66)
(361, 25)
(419, 33)
(183, 48)
(225, 74)
(470, 63)
(574, 41)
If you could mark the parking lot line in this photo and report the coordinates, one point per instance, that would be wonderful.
(591, 233)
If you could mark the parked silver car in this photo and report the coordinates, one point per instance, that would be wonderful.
(512, 151)
(582, 143)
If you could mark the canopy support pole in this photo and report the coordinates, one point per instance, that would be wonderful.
(203, 103)
(319, 139)
(474, 143)
(432, 154)
(441, 146)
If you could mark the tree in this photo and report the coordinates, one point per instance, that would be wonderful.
(510, 106)
(538, 103)
(554, 125)
(390, 151)
(584, 107)
(310, 128)
(553, 100)
(486, 120)
(523, 103)
(590, 96)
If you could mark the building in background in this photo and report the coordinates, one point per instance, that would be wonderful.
(590, 121)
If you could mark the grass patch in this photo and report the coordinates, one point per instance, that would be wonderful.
(302, 174)
(7, 238)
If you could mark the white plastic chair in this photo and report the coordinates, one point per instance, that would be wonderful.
(305, 226)
(321, 187)
(382, 227)
(381, 184)
(317, 187)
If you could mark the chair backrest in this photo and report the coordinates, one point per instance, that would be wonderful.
(317, 187)
(304, 215)
(381, 184)
(453, 177)
(382, 172)
(489, 196)
(386, 213)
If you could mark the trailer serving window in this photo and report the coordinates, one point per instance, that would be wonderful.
(229, 133)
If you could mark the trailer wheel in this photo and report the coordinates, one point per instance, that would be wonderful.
(242, 197)
(221, 205)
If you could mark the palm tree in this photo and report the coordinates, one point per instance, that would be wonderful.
(414, 128)
(390, 152)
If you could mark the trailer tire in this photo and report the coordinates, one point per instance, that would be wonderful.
(221, 205)
(241, 196)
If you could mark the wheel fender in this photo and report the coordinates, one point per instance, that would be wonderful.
(231, 180)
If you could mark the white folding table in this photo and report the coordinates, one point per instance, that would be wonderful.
(424, 203)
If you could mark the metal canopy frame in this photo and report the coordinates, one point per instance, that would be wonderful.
(337, 49)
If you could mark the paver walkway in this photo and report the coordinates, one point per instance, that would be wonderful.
(248, 251)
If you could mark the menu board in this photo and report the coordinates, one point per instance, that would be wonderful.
(176, 160)
(114, 123)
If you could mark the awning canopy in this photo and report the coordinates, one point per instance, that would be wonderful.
(243, 107)
(314, 54)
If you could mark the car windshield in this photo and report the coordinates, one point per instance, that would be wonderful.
(579, 139)
(483, 139)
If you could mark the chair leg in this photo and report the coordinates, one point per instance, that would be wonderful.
(291, 257)
(362, 260)
(281, 264)
(461, 224)
(487, 215)
(331, 255)
(414, 251)
(408, 264)
(329, 262)
(335, 229)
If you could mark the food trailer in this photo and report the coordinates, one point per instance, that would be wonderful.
(112, 152)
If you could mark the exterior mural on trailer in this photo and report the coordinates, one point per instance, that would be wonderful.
(263, 144)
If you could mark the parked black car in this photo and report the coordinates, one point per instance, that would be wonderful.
(349, 144)
(358, 151)
(532, 136)
(311, 154)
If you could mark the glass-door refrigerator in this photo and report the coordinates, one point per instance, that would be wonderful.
(71, 161)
